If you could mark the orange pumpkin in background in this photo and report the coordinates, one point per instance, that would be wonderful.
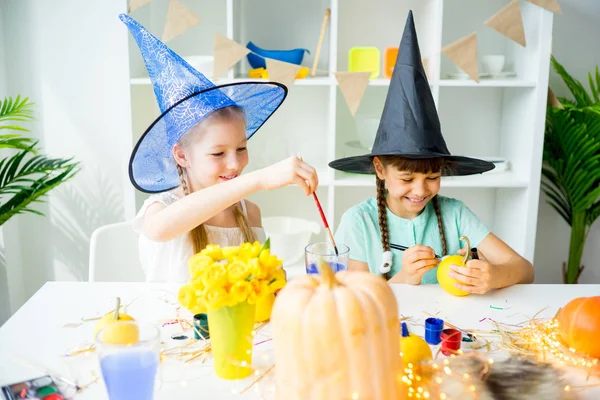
(336, 337)
(579, 325)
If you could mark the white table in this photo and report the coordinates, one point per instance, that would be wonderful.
(36, 330)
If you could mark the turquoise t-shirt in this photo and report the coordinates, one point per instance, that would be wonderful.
(359, 230)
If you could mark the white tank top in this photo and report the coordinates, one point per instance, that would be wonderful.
(167, 261)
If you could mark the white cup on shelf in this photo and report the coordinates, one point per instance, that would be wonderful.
(493, 63)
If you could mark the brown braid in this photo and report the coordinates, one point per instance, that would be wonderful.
(198, 235)
(438, 214)
(383, 224)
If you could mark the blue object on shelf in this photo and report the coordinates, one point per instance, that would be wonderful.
(294, 56)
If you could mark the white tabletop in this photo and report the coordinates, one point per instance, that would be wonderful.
(36, 331)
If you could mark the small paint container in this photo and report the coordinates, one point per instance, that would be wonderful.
(451, 339)
(433, 330)
(201, 327)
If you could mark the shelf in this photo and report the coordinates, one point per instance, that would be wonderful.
(326, 81)
(489, 180)
(317, 81)
(484, 83)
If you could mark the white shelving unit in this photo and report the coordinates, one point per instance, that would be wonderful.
(493, 118)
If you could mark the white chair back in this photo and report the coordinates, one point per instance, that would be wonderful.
(114, 254)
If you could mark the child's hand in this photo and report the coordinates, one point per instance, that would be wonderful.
(290, 171)
(477, 276)
(416, 261)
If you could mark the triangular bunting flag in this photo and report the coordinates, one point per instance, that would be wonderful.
(509, 22)
(179, 20)
(353, 86)
(553, 100)
(550, 5)
(463, 53)
(227, 53)
(282, 72)
(135, 4)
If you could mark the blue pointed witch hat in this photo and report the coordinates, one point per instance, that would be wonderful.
(185, 97)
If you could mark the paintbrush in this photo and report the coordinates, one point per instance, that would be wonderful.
(324, 219)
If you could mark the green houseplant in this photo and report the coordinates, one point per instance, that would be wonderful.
(571, 168)
(25, 175)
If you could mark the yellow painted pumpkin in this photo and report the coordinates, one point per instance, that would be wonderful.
(443, 269)
(579, 325)
(336, 337)
(414, 349)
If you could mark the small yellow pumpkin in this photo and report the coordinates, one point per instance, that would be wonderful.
(414, 349)
(443, 270)
(336, 337)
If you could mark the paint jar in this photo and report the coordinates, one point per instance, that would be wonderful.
(451, 339)
(433, 330)
(201, 327)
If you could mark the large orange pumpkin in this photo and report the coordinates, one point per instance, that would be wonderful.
(579, 325)
(336, 337)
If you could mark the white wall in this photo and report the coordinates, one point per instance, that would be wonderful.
(70, 57)
(575, 46)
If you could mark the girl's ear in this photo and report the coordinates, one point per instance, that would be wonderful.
(179, 156)
(379, 168)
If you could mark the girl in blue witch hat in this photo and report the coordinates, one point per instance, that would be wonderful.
(191, 160)
(405, 230)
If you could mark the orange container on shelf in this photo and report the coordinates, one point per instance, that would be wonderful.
(389, 60)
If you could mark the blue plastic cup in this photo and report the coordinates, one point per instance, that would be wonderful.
(316, 253)
(433, 330)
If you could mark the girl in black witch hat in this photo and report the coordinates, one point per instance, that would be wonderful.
(408, 220)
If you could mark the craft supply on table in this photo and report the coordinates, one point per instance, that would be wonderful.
(316, 253)
(433, 330)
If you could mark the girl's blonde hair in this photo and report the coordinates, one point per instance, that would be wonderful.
(198, 235)
(425, 166)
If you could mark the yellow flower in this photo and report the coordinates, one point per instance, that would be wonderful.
(257, 269)
(217, 297)
(187, 296)
(199, 307)
(249, 251)
(259, 289)
(277, 280)
(238, 271)
(240, 290)
(214, 275)
(269, 262)
(230, 252)
(198, 263)
(213, 251)
(197, 284)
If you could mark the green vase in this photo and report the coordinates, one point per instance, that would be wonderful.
(231, 337)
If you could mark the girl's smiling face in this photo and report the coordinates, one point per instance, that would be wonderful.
(214, 151)
(411, 184)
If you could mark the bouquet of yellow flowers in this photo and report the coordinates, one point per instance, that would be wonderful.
(231, 275)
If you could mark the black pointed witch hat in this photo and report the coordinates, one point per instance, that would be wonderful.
(409, 125)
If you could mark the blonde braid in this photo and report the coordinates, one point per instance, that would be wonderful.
(244, 224)
(198, 235)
